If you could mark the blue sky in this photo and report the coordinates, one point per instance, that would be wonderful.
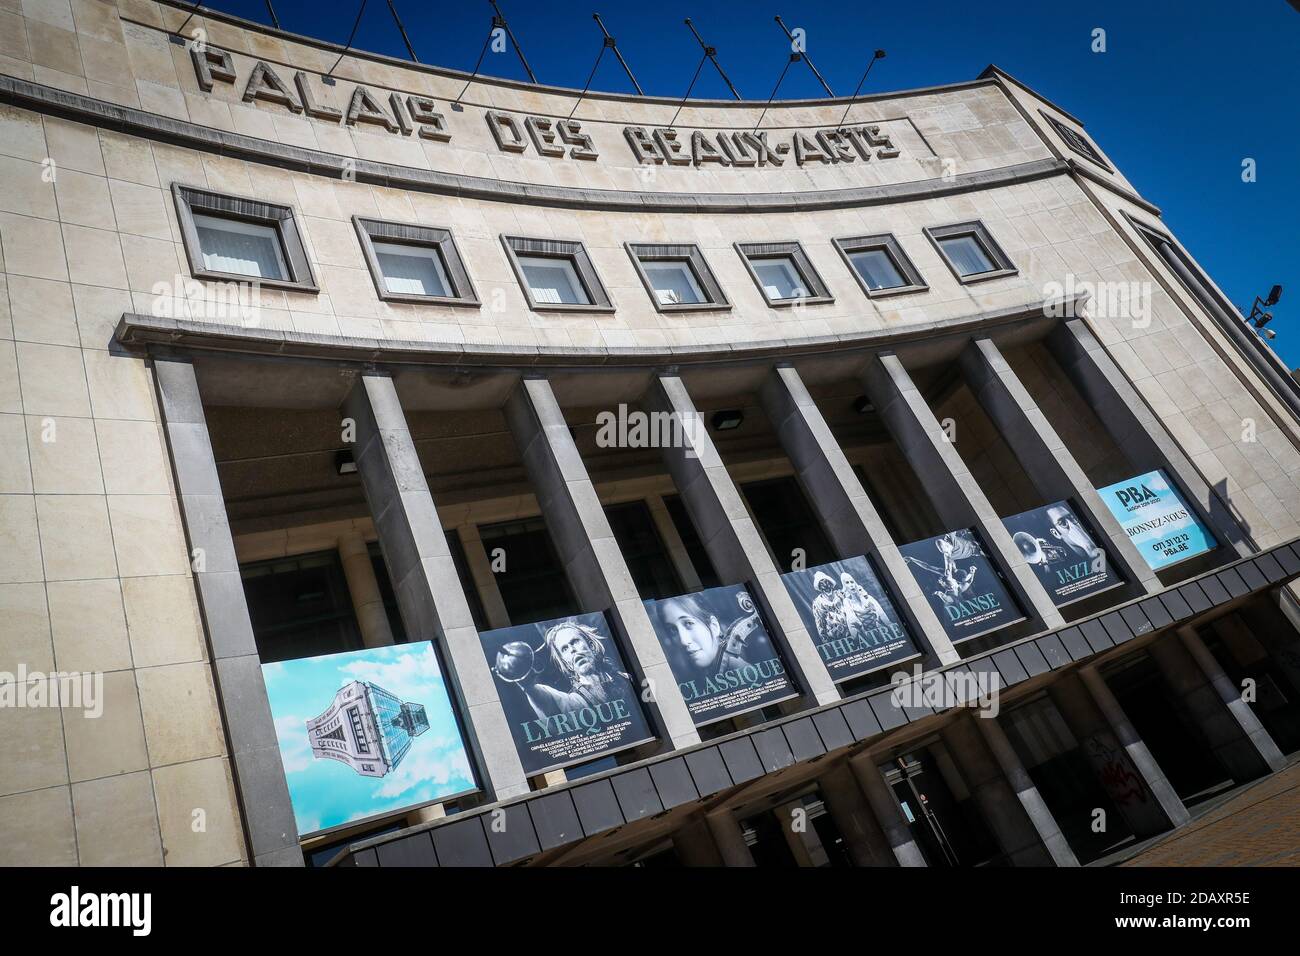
(327, 793)
(1186, 90)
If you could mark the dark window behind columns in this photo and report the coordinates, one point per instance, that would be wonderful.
(704, 569)
(462, 572)
(647, 559)
(787, 522)
(300, 607)
(533, 585)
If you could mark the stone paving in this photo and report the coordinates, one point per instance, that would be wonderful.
(1258, 827)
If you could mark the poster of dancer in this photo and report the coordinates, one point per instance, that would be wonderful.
(961, 584)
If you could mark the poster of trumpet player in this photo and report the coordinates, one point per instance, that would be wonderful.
(566, 691)
(848, 611)
(961, 584)
(1062, 552)
(720, 652)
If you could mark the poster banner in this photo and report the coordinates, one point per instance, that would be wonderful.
(366, 733)
(961, 584)
(720, 652)
(566, 691)
(1157, 520)
(849, 614)
(1062, 552)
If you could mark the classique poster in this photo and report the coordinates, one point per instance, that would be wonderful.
(849, 614)
(566, 691)
(720, 652)
(1062, 552)
(1157, 520)
(961, 584)
(366, 733)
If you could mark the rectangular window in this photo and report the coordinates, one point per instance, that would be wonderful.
(880, 265)
(226, 237)
(556, 275)
(532, 581)
(553, 281)
(1076, 141)
(784, 273)
(677, 277)
(970, 251)
(412, 263)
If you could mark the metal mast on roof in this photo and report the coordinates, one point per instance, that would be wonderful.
(400, 29)
(608, 44)
(878, 55)
(499, 20)
(275, 21)
(711, 53)
(803, 54)
(328, 78)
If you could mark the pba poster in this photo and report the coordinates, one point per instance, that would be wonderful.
(961, 584)
(1062, 553)
(720, 652)
(1157, 520)
(366, 733)
(849, 614)
(566, 691)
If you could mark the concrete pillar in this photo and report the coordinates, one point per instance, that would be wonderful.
(845, 511)
(673, 543)
(270, 832)
(731, 538)
(363, 587)
(485, 581)
(807, 852)
(1245, 648)
(1136, 429)
(729, 838)
(1118, 756)
(428, 590)
(886, 810)
(1229, 742)
(1134, 746)
(1045, 458)
(1049, 831)
(998, 797)
(694, 845)
(1230, 695)
(587, 548)
(952, 489)
(852, 816)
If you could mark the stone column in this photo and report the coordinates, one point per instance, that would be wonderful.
(485, 582)
(952, 489)
(694, 845)
(1045, 458)
(1133, 745)
(586, 545)
(1017, 833)
(1049, 831)
(731, 537)
(267, 814)
(797, 840)
(886, 810)
(1136, 429)
(363, 587)
(848, 808)
(1230, 696)
(1119, 757)
(845, 511)
(428, 590)
(729, 838)
(673, 543)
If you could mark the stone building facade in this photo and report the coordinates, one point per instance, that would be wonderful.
(921, 311)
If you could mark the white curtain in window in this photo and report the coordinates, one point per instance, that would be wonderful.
(780, 279)
(967, 255)
(553, 282)
(411, 271)
(673, 283)
(240, 248)
(877, 269)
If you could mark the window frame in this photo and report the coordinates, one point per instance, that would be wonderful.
(887, 243)
(1001, 262)
(1077, 141)
(572, 250)
(192, 200)
(818, 293)
(439, 241)
(690, 254)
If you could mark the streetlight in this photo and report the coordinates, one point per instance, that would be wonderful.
(1259, 317)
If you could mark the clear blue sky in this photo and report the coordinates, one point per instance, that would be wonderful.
(1186, 90)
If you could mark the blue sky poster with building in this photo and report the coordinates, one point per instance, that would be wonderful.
(366, 733)
(1157, 520)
